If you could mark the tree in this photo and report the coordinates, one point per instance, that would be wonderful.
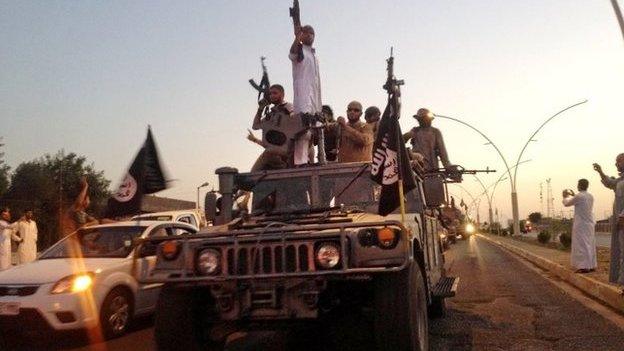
(535, 217)
(4, 171)
(49, 185)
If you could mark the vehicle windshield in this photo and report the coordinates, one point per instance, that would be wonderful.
(154, 218)
(103, 242)
(345, 189)
(282, 195)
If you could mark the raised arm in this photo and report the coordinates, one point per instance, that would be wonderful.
(79, 203)
(360, 138)
(607, 181)
(257, 118)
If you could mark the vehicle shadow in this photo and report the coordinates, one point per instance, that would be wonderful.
(33, 340)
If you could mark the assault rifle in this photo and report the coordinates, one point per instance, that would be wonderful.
(263, 87)
(295, 14)
(393, 86)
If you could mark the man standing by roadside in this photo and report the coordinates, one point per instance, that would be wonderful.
(583, 255)
(26, 236)
(616, 269)
(6, 230)
(306, 86)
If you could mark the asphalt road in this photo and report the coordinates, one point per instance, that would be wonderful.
(502, 304)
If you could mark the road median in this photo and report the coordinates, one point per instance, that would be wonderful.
(606, 293)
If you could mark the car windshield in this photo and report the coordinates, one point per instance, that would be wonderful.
(96, 243)
(282, 195)
(349, 190)
(153, 218)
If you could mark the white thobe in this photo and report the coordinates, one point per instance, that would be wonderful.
(6, 229)
(583, 253)
(27, 233)
(306, 96)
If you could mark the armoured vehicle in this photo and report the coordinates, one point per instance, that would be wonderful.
(302, 245)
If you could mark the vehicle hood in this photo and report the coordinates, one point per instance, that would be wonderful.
(52, 270)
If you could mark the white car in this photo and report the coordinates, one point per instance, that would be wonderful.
(85, 280)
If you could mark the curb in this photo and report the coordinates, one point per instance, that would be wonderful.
(607, 294)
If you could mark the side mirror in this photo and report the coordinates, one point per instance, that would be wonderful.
(210, 207)
(147, 249)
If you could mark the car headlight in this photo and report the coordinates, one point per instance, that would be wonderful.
(470, 228)
(73, 283)
(327, 255)
(208, 261)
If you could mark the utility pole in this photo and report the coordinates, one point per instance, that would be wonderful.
(550, 208)
(542, 198)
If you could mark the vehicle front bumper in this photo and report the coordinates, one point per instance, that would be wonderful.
(43, 311)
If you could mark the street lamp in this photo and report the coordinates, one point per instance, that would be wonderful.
(199, 187)
(514, 193)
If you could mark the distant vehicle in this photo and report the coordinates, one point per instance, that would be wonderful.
(193, 216)
(85, 280)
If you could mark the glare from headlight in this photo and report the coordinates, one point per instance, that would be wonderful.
(327, 255)
(208, 261)
(73, 283)
(470, 228)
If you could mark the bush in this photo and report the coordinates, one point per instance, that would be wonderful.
(566, 239)
(543, 236)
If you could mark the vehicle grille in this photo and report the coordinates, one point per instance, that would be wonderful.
(18, 290)
(270, 259)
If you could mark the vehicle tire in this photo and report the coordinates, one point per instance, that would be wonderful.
(184, 319)
(400, 316)
(116, 313)
(437, 309)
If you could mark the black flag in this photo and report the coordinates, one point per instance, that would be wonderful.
(145, 176)
(390, 162)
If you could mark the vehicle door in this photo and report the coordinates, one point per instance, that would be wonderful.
(147, 294)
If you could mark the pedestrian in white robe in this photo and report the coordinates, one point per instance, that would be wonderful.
(6, 230)
(616, 269)
(306, 86)
(583, 253)
(26, 237)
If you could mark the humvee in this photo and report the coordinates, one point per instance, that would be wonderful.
(301, 245)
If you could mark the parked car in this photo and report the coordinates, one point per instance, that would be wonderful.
(86, 280)
(193, 216)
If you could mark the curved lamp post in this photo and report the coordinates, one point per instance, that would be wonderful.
(514, 193)
(199, 187)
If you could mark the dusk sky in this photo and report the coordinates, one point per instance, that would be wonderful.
(88, 77)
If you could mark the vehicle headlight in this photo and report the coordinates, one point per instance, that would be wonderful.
(73, 283)
(208, 261)
(470, 228)
(327, 255)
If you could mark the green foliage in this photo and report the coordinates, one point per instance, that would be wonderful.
(49, 185)
(565, 239)
(4, 171)
(544, 236)
(535, 217)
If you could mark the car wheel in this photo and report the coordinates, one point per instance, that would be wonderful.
(400, 315)
(116, 313)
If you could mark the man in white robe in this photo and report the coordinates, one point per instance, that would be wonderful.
(616, 268)
(6, 230)
(26, 237)
(583, 253)
(306, 86)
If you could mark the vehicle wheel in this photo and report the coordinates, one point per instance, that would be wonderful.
(437, 309)
(401, 322)
(184, 319)
(116, 313)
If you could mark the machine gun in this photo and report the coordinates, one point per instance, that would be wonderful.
(454, 173)
(263, 87)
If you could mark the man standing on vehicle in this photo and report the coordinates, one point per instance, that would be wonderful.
(306, 86)
(26, 236)
(427, 142)
(356, 137)
(272, 157)
(616, 269)
(583, 255)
